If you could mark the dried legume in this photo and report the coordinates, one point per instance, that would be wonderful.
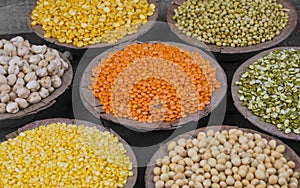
(158, 82)
(270, 88)
(61, 155)
(83, 22)
(28, 73)
(232, 23)
(225, 163)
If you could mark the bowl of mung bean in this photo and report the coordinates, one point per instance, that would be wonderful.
(265, 90)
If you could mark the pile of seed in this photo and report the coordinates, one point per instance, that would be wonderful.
(61, 155)
(230, 158)
(28, 73)
(270, 88)
(232, 23)
(153, 82)
(84, 23)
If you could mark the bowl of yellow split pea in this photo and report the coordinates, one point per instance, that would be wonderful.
(92, 24)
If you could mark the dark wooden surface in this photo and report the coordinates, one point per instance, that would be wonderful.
(144, 144)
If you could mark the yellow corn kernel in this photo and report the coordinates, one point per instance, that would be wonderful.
(60, 16)
(149, 13)
(61, 155)
(33, 23)
(61, 40)
(47, 35)
(68, 41)
(79, 44)
(152, 6)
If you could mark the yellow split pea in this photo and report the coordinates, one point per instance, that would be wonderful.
(61, 155)
(82, 23)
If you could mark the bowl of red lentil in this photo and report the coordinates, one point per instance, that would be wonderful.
(152, 85)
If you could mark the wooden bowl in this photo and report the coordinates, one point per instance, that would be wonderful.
(163, 150)
(44, 104)
(130, 181)
(255, 120)
(235, 50)
(142, 30)
(94, 106)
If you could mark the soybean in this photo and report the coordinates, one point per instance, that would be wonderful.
(236, 167)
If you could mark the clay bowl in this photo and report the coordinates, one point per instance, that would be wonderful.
(163, 150)
(94, 106)
(130, 181)
(255, 120)
(235, 50)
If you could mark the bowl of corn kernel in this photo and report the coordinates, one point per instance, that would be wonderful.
(66, 153)
(92, 24)
(152, 85)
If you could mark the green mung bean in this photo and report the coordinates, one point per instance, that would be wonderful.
(270, 88)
